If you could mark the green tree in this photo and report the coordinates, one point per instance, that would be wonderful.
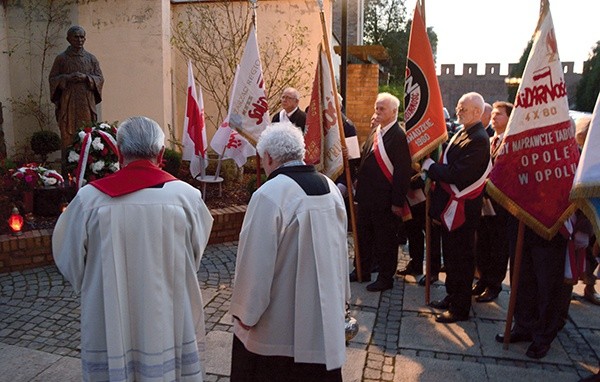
(214, 35)
(589, 84)
(386, 24)
(517, 73)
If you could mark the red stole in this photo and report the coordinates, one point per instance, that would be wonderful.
(133, 177)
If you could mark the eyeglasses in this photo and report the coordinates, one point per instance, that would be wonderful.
(287, 97)
(461, 110)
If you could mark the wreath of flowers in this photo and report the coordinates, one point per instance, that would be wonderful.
(31, 176)
(93, 154)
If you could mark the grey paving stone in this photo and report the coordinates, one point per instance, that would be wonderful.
(352, 370)
(491, 348)
(584, 314)
(495, 310)
(500, 373)
(65, 369)
(366, 321)
(414, 297)
(435, 370)
(362, 297)
(14, 359)
(425, 334)
(218, 353)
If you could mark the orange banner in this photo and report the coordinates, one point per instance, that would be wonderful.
(423, 107)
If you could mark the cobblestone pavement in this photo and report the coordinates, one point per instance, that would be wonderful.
(39, 310)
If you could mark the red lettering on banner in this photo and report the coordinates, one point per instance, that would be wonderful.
(543, 162)
(543, 93)
(330, 116)
(260, 108)
(234, 142)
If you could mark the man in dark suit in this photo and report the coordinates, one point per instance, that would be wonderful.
(456, 204)
(290, 98)
(382, 183)
(486, 118)
(491, 250)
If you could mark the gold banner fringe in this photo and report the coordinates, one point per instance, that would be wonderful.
(585, 191)
(513, 208)
(431, 146)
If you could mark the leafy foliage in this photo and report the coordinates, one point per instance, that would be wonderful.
(44, 142)
(589, 84)
(386, 24)
(213, 37)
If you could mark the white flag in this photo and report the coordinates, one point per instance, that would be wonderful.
(227, 142)
(194, 128)
(249, 99)
(332, 155)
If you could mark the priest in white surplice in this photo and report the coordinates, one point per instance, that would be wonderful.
(291, 275)
(132, 244)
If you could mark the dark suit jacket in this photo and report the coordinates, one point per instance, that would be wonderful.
(298, 118)
(468, 158)
(372, 188)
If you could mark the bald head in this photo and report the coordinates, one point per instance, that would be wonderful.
(469, 109)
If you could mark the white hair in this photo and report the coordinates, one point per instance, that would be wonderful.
(283, 141)
(475, 98)
(293, 92)
(140, 138)
(392, 99)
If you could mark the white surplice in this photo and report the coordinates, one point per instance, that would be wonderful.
(291, 278)
(135, 258)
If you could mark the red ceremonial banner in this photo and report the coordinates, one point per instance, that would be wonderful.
(533, 174)
(423, 107)
(314, 135)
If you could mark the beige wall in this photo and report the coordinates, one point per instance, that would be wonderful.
(131, 41)
(5, 89)
(271, 14)
(143, 74)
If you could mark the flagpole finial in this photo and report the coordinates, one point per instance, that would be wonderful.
(320, 3)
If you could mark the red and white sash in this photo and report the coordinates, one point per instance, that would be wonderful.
(381, 155)
(453, 215)
(386, 166)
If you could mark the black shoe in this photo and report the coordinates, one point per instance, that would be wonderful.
(514, 337)
(354, 277)
(537, 350)
(448, 317)
(488, 295)
(379, 286)
(477, 289)
(440, 304)
(432, 279)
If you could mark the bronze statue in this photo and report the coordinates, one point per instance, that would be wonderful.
(75, 86)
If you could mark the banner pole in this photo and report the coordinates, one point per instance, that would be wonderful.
(258, 174)
(343, 143)
(427, 248)
(514, 284)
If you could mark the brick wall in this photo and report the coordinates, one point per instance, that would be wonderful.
(34, 248)
(361, 92)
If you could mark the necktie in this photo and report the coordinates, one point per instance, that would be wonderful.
(494, 145)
